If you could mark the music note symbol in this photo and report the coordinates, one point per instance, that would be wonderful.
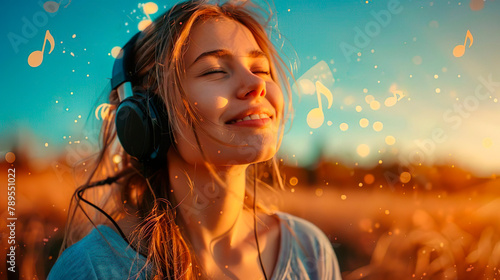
(102, 110)
(148, 8)
(315, 117)
(391, 101)
(35, 58)
(459, 50)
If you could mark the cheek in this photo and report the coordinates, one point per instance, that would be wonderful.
(207, 101)
(275, 97)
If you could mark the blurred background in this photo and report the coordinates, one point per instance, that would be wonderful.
(394, 150)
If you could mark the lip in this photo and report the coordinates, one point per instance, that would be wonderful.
(252, 111)
(253, 123)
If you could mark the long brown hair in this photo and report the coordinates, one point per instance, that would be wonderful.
(159, 70)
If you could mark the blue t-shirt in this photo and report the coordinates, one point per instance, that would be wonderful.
(103, 254)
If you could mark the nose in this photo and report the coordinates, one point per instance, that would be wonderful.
(251, 85)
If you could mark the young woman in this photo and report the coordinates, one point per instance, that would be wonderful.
(187, 210)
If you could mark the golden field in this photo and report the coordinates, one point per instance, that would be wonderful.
(442, 223)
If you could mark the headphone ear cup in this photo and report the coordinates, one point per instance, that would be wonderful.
(142, 127)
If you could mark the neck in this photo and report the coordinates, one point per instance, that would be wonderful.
(210, 211)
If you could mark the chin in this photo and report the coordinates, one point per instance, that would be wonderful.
(224, 155)
(239, 150)
(258, 149)
(243, 156)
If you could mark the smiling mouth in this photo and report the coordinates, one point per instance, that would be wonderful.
(255, 118)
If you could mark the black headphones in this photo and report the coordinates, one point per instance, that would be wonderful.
(141, 120)
(141, 124)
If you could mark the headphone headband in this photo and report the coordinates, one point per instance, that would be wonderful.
(124, 68)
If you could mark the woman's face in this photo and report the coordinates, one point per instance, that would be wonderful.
(227, 79)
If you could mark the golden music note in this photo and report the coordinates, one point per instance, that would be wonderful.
(148, 8)
(459, 50)
(35, 58)
(102, 110)
(391, 101)
(315, 117)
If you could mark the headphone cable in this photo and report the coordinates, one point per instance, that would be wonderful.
(111, 180)
(255, 218)
(106, 181)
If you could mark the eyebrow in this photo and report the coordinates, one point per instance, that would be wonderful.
(225, 53)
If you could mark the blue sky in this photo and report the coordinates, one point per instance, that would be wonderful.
(442, 118)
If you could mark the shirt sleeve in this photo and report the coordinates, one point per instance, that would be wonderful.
(74, 263)
(329, 267)
(314, 254)
(102, 254)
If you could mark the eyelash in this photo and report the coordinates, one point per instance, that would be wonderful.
(213, 71)
(262, 72)
(218, 70)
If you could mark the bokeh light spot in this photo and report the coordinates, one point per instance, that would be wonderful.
(364, 122)
(319, 192)
(375, 105)
(369, 179)
(348, 100)
(405, 177)
(378, 126)
(487, 142)
(115, 51)
(117, 159)
(363, 150)
(10, 157)
(369, 99)
(433, 24)
(417, 60)
(390, 140)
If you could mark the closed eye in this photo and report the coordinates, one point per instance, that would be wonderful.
(265, 72)
(213, 71)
